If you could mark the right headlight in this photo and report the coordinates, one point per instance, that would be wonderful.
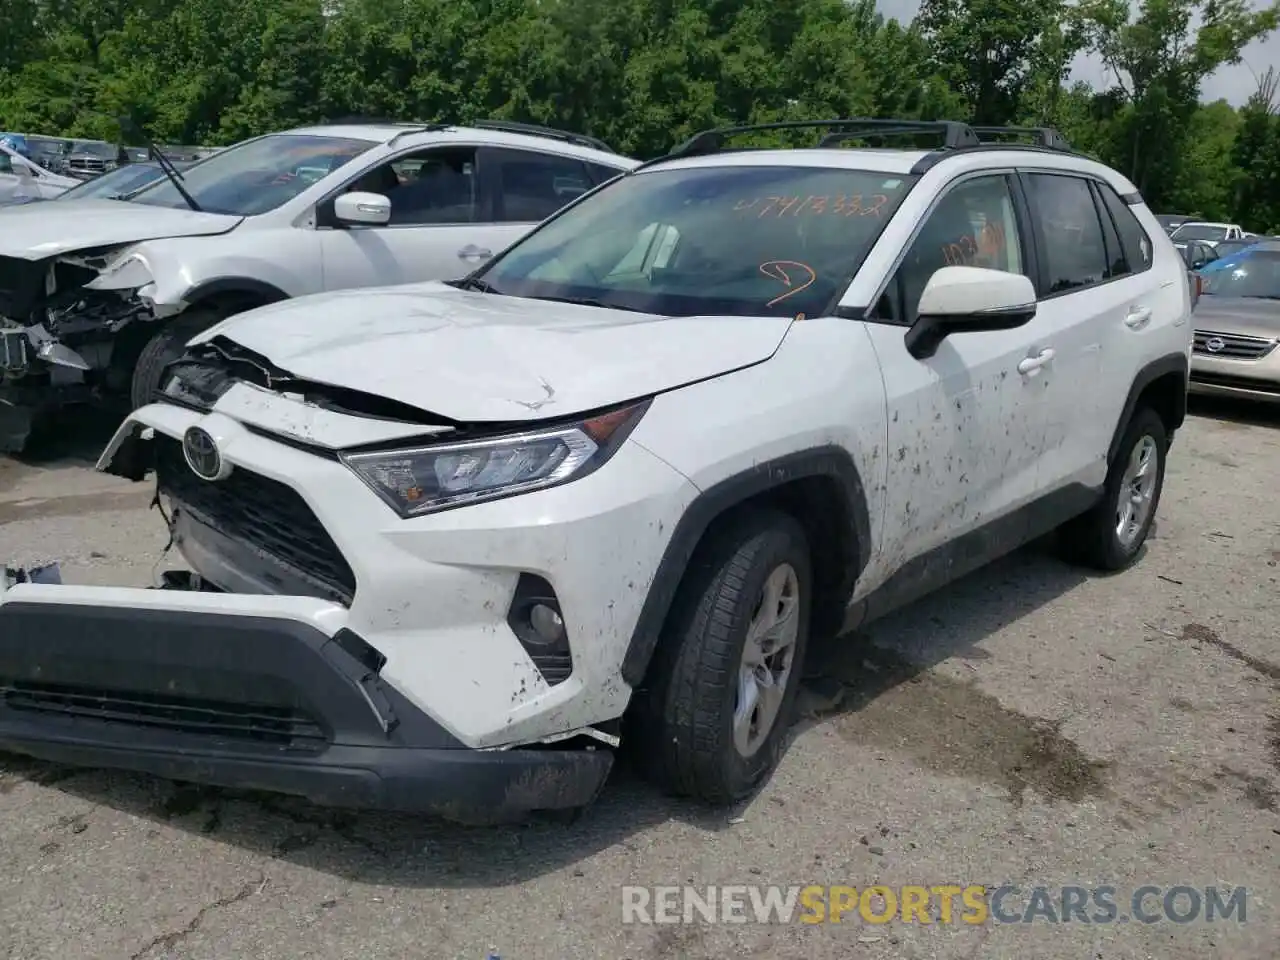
(427, 479)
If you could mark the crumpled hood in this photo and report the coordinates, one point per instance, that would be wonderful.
(480, 357)
(35, 231)
(1247, 316)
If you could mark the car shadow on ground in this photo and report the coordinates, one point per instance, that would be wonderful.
(1231, 411)
(888, 697)
(74, 437)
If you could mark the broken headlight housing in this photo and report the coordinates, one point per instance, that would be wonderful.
(427, 479)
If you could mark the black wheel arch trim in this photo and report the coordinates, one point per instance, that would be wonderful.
(1174, 363)
(831, 462)
(220, 286)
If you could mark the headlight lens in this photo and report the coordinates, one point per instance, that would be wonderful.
(427, 479)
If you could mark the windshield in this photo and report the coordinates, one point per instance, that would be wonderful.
(1199, 231)
(104, 151)
(45, 145)
(1233, 246)
(256, 176)
(1254, 276)
(754, 241)
(115, 184)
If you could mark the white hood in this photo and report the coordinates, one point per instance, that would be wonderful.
(480, 357)
(34, 231)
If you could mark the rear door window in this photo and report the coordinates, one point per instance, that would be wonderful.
(532, 186)
(1075, 252)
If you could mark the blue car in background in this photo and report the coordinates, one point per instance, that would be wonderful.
(1264, 244)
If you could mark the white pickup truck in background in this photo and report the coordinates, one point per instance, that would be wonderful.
(1207, 232)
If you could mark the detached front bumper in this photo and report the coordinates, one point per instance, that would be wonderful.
(250, 701)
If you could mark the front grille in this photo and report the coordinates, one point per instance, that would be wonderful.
(1235, 383)
(264, 514)
(1233, 346)
(272, 726)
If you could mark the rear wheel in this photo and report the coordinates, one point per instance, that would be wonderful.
(165, 346)
(1110, 536)
(715, 717)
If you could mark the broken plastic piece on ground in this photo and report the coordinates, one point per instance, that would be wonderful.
(49, 573)
(184, 580)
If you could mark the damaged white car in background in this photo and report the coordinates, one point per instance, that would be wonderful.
(24, 181)
(98, 296)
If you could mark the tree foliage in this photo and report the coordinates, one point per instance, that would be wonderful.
(644, 74)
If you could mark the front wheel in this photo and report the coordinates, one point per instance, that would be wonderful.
(713, 723)
(165, 346)
(1110, 536)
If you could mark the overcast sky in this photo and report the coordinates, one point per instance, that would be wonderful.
(1234, 84)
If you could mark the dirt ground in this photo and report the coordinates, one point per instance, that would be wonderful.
(1029, 725)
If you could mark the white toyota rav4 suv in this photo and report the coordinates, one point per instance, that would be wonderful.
(96, 296)
(448, 545)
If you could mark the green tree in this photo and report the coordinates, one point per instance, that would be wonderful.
(991, 50)
(1160, 60)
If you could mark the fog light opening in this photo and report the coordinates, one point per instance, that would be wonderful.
(539, 624)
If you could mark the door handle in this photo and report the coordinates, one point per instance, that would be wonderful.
(1137, 318)
(1032, 365)
(472, 252)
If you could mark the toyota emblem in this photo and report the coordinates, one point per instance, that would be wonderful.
(1215, 344)
(202, 455)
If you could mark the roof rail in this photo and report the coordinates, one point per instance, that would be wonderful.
(357, 119)
(408, 130)
(1041, 136)
(534, 130)
(955, 134)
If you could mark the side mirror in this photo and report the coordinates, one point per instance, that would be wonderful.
(969, 299)
(362, 208)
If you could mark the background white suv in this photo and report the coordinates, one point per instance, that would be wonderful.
(97, 295)
(446, 537)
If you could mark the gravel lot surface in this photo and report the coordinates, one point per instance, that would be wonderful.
(1028, 725)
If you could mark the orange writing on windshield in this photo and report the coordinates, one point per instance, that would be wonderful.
(856, 205)
(793, 274)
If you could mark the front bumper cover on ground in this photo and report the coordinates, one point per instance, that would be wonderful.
(254, 703)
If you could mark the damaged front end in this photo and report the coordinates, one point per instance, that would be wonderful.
(63, 337)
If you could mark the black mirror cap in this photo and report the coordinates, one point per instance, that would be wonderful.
(925, 335)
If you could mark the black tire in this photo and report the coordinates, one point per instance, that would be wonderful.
(683, 724)
(165, 346)
(1091, 539)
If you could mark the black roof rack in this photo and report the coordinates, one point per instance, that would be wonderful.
(1041, 136)
(955, 134)
(534, 130)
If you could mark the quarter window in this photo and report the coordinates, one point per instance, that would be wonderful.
(1075, 253)
(6, 165)
(973, 225)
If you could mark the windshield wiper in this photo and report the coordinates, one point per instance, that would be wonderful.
(473, 283)
(590, 302)
(166, 167)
